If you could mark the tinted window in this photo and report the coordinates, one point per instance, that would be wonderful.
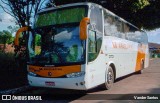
(60, 16)
(96, 18)
(134, 34)
(108, 24)
(113, 26)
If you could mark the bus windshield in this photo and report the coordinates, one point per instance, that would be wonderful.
(56, 45)
(55, 37)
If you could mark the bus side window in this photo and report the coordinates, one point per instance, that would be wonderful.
(131, 34)
(96, 19)
(119, 26)
(113, 26)
(126, 30)
(138, 37)
(94, 45)
(108, 21)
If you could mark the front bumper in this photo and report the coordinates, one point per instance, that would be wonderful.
(65, 83)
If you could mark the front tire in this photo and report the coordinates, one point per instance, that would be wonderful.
(109, 79)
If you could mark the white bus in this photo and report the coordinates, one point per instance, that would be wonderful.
(83, 45)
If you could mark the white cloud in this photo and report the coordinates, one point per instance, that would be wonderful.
(4, 5)
(62, 37)
(154, 36)
(6, 17)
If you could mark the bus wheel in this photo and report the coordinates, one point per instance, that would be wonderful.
(109, 79)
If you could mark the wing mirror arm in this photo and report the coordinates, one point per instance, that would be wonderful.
(22, 29)
(83, 28)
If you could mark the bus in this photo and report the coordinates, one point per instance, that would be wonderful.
(81, 46)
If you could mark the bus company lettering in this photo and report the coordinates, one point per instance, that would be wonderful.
(38, 69)
(50, 68)
(121, 45)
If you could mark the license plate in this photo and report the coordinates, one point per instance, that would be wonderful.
(49, 83)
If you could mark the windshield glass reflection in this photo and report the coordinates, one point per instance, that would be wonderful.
(50, 45)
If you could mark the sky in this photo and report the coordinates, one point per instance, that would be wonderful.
(5, 20)
(153, 36)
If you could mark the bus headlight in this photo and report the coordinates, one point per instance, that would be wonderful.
(32, 74)
(73, 75)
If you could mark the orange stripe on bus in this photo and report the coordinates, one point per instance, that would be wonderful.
(140, 56)
(54, 71)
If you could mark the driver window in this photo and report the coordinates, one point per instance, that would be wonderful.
(92, 42)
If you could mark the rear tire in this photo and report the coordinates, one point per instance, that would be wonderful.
(109, 79)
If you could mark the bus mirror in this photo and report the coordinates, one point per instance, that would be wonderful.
(83, 28)
(22, 29)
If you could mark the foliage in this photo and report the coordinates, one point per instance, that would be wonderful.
(13, 29)
(5, 38)
(22, 11)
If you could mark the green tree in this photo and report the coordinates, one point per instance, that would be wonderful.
(22, 11)
(13, 29)
(5, 38)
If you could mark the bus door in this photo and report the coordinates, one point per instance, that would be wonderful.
(95, 58)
